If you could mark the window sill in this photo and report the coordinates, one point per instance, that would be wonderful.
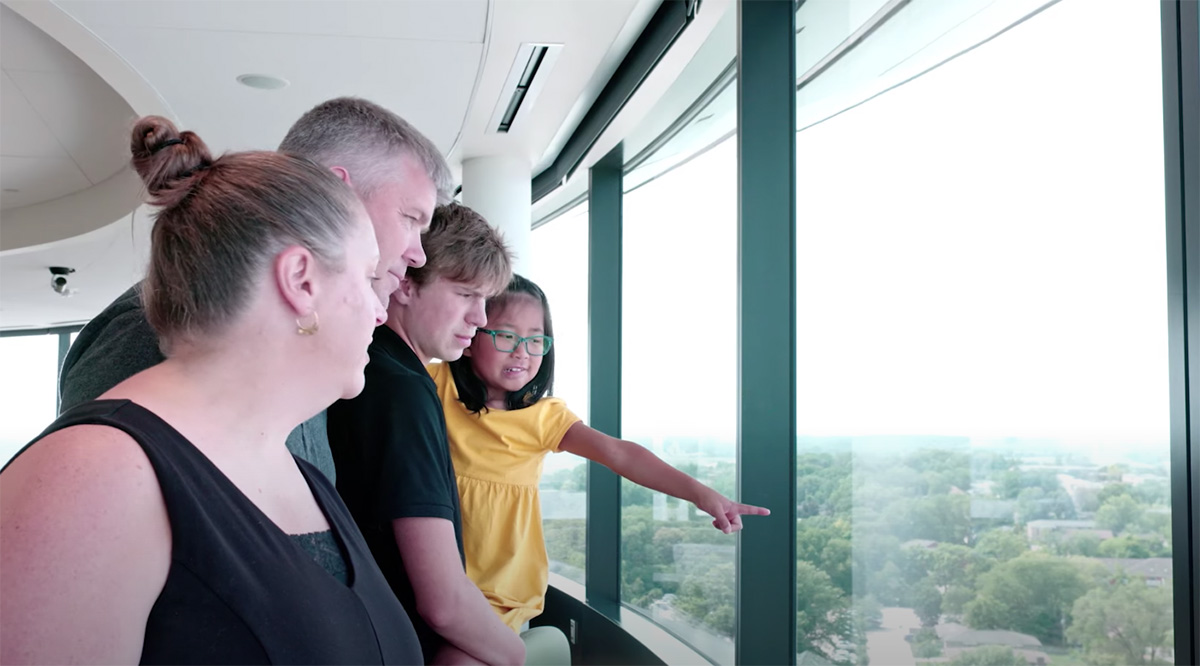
(663, 644)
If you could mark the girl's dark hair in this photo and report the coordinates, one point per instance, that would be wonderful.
(221, 222)
(471, 390)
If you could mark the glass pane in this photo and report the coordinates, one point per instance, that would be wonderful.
(850, 50)
(983, 455)
(678, 347)
(560, 267)
(823, 25)
(716, 122)
(29, 392)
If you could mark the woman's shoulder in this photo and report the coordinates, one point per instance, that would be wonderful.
(82, 463)
(83, 520)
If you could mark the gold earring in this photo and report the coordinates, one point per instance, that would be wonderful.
(309, 330)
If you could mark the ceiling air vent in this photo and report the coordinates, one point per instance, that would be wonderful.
(525, 80)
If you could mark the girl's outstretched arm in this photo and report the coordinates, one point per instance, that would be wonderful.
(638, 464)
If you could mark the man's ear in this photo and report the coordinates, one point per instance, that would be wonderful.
(406, 292)
(295, 276)
(342, 173)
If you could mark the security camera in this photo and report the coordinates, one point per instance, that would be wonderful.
(58, 280)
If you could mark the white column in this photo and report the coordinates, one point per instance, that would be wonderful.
(500, 189)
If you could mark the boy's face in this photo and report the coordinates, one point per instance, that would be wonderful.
(440, 317)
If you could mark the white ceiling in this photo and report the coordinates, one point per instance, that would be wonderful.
(399, 54)
(60, 124)
(439, 63)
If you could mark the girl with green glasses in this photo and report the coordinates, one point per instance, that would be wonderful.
(501, 425)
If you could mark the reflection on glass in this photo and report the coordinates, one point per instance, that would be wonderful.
(709, 126)
(823, 26)
(559, 265)
(678, 393)
(28, 394)
(983, 470)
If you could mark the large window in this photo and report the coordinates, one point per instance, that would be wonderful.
(560, 268)
(678, 392)
(28, 401)
(983, 469)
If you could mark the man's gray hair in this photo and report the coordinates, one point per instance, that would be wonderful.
(365, 139)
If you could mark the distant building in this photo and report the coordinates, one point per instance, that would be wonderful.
(957, 639)
(1038, 531)
(993, 509)
(1156, 571)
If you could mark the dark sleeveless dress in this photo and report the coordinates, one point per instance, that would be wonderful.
(240, 590)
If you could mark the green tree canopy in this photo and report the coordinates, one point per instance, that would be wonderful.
(822, 611)
(1127, 623)
(1112, 490)
(927, 603)
(1032, 594)
(708, 596)
(1002, 545)
(1119, 513)
(825, 542)
(1132, 547)
(945, 518)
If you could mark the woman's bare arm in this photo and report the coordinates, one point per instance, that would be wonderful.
(86, 546)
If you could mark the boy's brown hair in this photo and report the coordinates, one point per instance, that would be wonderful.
(461, 246)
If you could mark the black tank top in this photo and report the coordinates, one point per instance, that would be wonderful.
(239, 590)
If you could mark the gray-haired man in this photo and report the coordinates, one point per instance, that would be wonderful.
(400, 177)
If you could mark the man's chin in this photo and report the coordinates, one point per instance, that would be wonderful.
(449, 355)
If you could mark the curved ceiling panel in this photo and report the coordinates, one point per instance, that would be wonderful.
(62, 140)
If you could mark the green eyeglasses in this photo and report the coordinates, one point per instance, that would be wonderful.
(507, 341)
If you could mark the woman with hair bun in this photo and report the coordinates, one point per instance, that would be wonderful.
(166, 522)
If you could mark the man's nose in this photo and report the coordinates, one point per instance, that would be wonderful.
(415, 256)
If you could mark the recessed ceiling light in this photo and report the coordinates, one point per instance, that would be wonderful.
(262, 81)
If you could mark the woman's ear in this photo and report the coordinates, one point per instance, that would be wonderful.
(295, 273)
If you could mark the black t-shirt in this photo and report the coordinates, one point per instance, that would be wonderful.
(393, 461)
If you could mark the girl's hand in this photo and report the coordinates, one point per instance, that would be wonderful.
(727, 514)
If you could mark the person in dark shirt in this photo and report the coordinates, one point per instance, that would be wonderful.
(392, 453)
(166, 521)
(400, 177)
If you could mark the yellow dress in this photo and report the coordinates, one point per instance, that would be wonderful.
(497, 457)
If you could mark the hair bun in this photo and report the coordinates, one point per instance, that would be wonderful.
(168, 161)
